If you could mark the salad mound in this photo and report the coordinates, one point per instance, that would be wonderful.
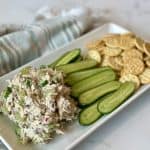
(38, 102)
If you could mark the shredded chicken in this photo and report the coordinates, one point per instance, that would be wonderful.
(38, 102)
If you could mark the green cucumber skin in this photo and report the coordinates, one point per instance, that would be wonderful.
(69, 57)
(85, 112)
(78, 76)
(77, 66)
(89, 115)
(52, 65)
(92, 95)
(66, 58)
(117, 98)
(79, 58)
(92, 82)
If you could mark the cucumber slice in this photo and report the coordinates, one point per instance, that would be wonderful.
(79, 58)
(52, 65)
(92, 82)
(77, 66)
(92, 95)
(66, 58)
(117, 98)
(89, 115)
(78, 76)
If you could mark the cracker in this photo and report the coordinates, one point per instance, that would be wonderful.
(119, 60)
(95, 44)
(132, 53)
(105, 61)
(146, 58)
(134, 66)
(123, 72)
(112, 41)
(145, 76)
(148, 62)
(132, 78)
(147, 49)
(112, 51)
(126, 42)
(111, 62)
(139, 43)
(101, 49)
(114, 64)
(93, 54)
(125, 53)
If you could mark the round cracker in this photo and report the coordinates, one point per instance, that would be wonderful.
(101, 49)
(105, 61)
(126, 42)
(146, 58)
(112, 51)
(134, 66)
(139, 43)
(95, 44)
(93, 54)
(132, 53)
(113, 63)
(119, 60)
(145, 76)
(112, 41)
(132, 78)
(123, 72)
(148, 62)
(147, 49)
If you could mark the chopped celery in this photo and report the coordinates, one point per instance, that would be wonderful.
(7, 91)
(21, 102)
(28, 83)
(43, 83)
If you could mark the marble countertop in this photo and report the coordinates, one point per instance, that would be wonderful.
(130, 129)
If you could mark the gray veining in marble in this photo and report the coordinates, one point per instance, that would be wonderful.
(129, 130)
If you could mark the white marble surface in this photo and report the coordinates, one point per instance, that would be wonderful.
(129, 130)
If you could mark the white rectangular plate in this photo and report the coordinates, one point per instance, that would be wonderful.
(75, 133)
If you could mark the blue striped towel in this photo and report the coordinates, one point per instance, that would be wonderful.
(35, 40)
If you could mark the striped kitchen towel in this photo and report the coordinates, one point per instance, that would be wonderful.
(37, 39)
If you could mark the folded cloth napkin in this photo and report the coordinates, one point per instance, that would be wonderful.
(27, 42)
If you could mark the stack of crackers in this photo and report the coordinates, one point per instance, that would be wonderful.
(126, 53)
